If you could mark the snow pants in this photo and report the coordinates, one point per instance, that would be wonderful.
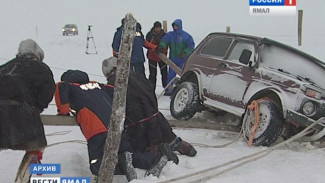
(96, 146)
(171, 73)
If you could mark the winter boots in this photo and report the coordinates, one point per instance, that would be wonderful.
(167, 155)
(183, 147)
(30, 157)
(167, 151)
(156, 169)
(125, 163)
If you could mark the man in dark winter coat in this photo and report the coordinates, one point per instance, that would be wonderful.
(180, 44)
(91, 103)
(137, 55)
(154, 36)
(27, 89)
(144, 123)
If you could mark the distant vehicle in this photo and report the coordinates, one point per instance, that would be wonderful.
(70, 29)
(239, 73)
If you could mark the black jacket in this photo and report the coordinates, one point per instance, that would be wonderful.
(141, 103)
(137, 55)
(27, 88)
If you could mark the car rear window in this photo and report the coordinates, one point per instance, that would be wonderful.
(217, 46)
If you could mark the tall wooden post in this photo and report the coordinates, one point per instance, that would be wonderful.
(165, 26)
(300, 15)
(228, 29)
(116, 126)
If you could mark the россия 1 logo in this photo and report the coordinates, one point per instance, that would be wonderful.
(272, 7)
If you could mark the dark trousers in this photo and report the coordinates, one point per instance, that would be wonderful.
(153, 73)
(96, 145)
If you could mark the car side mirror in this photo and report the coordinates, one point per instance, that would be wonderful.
(245, 56)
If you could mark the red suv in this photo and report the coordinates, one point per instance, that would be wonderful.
(240, 74)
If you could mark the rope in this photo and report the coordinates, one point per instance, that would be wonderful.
(170, 83)
(253, 156)
(67, 69)
(64, 133)
(69, 141)
(254, 106)
(58, 68)
(240, 134)
(208, 177)
(59, 133)
(142, 120)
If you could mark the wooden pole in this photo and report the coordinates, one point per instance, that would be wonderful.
(36, 31)
(116, 126)
(300, 15)
(228, 29)
(170, 63)
(165, 26)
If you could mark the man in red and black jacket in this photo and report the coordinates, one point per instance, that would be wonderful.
(91, 103)
(154, 36)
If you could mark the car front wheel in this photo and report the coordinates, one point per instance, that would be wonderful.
(185, 101)
(270, 126)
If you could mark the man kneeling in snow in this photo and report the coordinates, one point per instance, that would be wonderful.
(91, 103)
(27, 88)
(144, 123)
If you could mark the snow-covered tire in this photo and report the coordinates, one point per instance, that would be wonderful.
(185, 101)
(270, 127)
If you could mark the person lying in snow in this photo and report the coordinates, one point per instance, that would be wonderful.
(27, 89)
(144, 123)
(91, 102)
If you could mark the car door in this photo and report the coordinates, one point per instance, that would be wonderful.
(229, 84)
(210, 55)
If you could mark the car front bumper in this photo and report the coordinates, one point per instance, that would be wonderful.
(302, 120)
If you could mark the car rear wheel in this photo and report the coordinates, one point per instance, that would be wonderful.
(185, 101)
(271, 123)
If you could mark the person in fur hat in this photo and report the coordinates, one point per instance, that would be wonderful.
(27, 89)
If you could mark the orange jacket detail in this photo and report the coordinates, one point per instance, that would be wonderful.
(89, 123)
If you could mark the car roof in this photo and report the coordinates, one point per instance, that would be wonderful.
(70, 25)
(267, 41)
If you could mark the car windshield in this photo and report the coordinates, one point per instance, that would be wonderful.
(293, 63)
(70, 26)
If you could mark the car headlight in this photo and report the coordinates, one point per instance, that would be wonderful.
(309, 108)
(63, 30)
(73, 29)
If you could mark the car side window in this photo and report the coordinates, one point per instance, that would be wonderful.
(238, 49)
(217, 46)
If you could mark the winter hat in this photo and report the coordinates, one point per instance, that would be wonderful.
(138, 27)
(108, 66)
(30, 49)
(157, 24)
(75, 76)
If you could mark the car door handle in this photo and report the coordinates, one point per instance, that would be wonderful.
(223, 65)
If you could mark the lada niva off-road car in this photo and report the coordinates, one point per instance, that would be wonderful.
(241, 74)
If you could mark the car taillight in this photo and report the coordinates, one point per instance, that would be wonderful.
(313, 94)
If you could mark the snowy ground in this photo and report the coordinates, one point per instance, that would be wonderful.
(42, 21)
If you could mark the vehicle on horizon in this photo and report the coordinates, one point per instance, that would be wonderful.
(70, 29)
(241, 74)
